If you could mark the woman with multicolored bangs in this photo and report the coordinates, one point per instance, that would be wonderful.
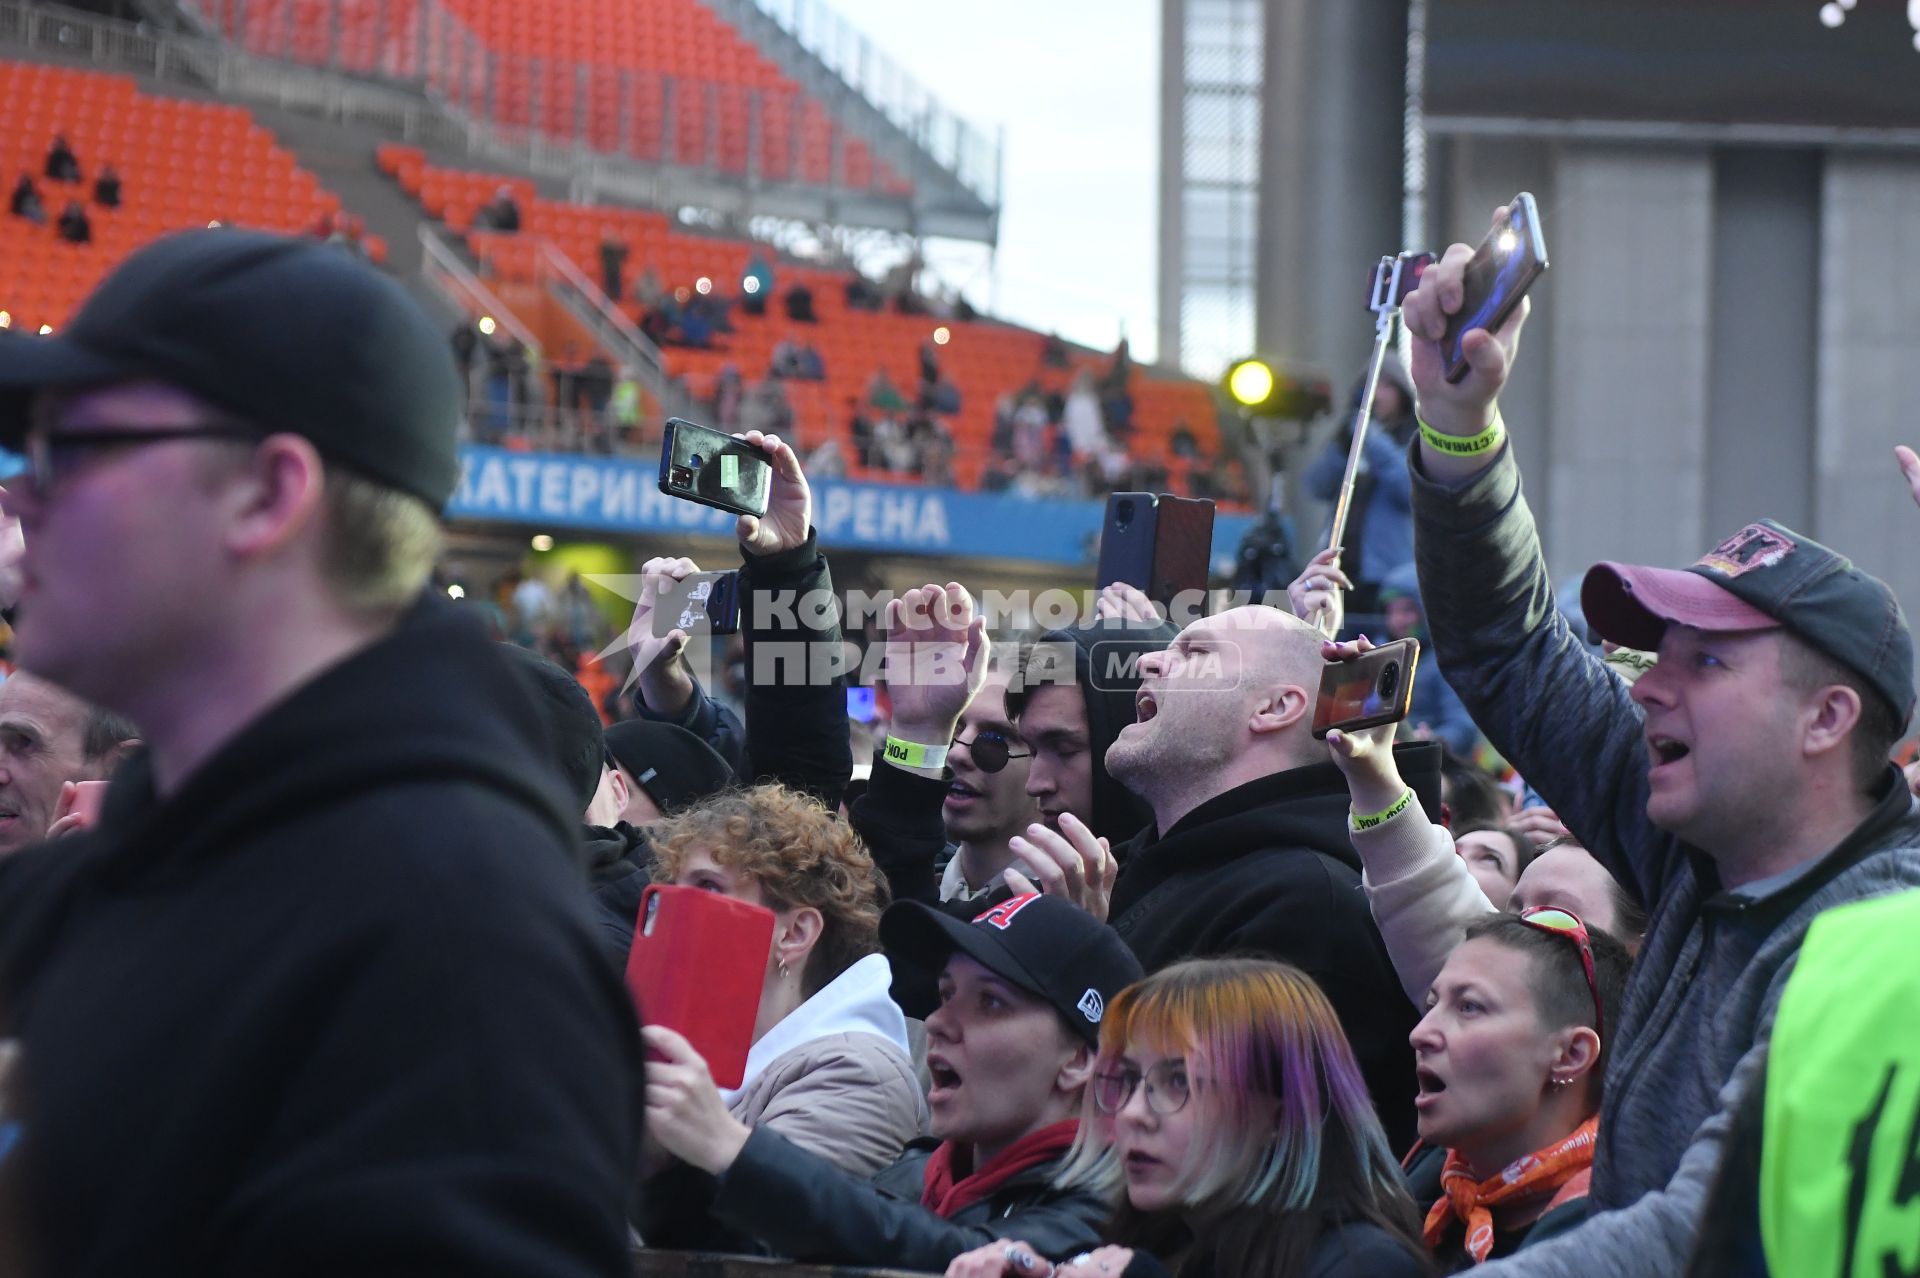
(1228, 1104)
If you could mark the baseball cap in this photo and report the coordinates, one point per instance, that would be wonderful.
(1764, 577)
(573, 725)
(672, 765)
(288, 334)
(1046, 946)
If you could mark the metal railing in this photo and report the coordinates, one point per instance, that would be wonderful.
(444, 269)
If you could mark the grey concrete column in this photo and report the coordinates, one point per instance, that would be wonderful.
(1330, 173)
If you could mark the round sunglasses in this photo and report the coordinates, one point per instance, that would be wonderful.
(990, 749)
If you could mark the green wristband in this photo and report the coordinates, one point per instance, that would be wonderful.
(911, 754)
(1400, 805)
(1475, 446)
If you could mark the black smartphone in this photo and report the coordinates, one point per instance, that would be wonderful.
(699, 603)
(1373, 689)
(1158, 543)
(1502, 269)
(701, 464)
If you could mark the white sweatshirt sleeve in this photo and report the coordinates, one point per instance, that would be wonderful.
(1421, 894)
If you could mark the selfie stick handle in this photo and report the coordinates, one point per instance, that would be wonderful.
(1323, 620)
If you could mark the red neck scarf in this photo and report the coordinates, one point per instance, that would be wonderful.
(947, 1196)
(1558, 1173)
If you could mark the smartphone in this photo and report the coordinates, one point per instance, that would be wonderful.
(87, 798)
(1373, 689)
(702, 602)
(698, 463)
(1160, 544)
(697, 964)
(1502, 269)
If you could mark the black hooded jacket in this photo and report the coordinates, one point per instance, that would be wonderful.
(1268, 868)
(335, 1006)
(619, 867)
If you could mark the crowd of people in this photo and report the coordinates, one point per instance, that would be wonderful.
(1103, 965)
(73, 225)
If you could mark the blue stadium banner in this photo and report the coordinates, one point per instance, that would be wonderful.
(619, 495)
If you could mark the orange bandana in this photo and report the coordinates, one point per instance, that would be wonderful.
(1561, 1170)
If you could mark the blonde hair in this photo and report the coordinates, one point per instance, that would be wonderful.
(380, 544)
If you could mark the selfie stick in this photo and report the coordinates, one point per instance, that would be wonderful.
(1393, 279)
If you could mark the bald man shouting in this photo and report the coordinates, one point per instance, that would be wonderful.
(1249, 850)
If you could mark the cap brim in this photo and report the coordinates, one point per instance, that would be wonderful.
(926, 938)
(30, 363)
(1632, 605)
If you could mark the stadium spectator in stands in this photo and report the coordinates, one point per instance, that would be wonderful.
(1010, 1048)
(613, 262)
(924, 397)
(900, 286)
(830, 1068)
(863, 294)
(1250, 851)
(1116, 394)
(1379, 535)
(25, 201)
(501, 213)
(73, 226)
(785, 360)
(799, 303)
(809, 364)
(50, 739)
(405, 1027)
(1741, 786)
(62, 165)
(648, 291)
(1235, 1117)
(1512, 1051)
(766, 409)
(106, 187)
(883, 395)
(860, 431)
(1085, 430)
(756, 284)
(933, 449)
(729, 396)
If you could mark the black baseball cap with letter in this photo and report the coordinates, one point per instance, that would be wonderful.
(282, 333)
(1764, 577)
(1048, 947)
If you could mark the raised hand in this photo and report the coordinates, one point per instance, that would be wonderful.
(789, 501)
(1909, 468)
(1122, 602)
(1317, 594)
(1070, 863)
(1365, 758)
(660, 662)
(684, 1110)
(936, 660)
(1466, 408)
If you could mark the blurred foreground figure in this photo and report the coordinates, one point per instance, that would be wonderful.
(320, 994)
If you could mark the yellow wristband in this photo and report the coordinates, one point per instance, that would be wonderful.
(911, 754)
(1475, 446)
(1400, 805)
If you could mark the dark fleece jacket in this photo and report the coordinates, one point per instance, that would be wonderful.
(333, 1007)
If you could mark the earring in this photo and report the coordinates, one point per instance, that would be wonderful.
(783, 969)
(1558, 1082)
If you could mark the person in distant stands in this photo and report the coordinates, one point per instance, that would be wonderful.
(62, 164)
(756, 284)
(799, 300)
(75, 228)
(613, 262)
(25, 201)
(501, 213)
(106, 187)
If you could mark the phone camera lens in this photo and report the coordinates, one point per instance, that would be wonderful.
(682, 476)
(1390, 679)
(1123, 512)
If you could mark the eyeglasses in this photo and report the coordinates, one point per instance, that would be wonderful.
(1167, 1088)
(990, 750)
(1549, 918)
(50, 454)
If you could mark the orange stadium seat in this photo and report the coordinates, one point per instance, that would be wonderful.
(983, 359)
(181, 164)
(611, 71)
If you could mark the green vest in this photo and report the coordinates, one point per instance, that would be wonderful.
(626, 401)
(1840, 1167)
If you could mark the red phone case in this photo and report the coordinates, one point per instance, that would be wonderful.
(697, 964)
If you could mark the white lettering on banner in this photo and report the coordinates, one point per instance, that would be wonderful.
(933, 523)
(884, 518)
(616, 496)
(838, 506)
(896, 517)
(524, 471)
(586, 482)
(491, 493)
(553, 490)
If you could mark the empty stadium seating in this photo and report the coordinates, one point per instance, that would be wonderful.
(182, 164)
(661, 80)
(983, 359)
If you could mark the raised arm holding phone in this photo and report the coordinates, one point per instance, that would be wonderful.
(1739, 788)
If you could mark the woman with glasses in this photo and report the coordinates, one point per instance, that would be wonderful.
(1510, 1057)
(1229, 1107)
